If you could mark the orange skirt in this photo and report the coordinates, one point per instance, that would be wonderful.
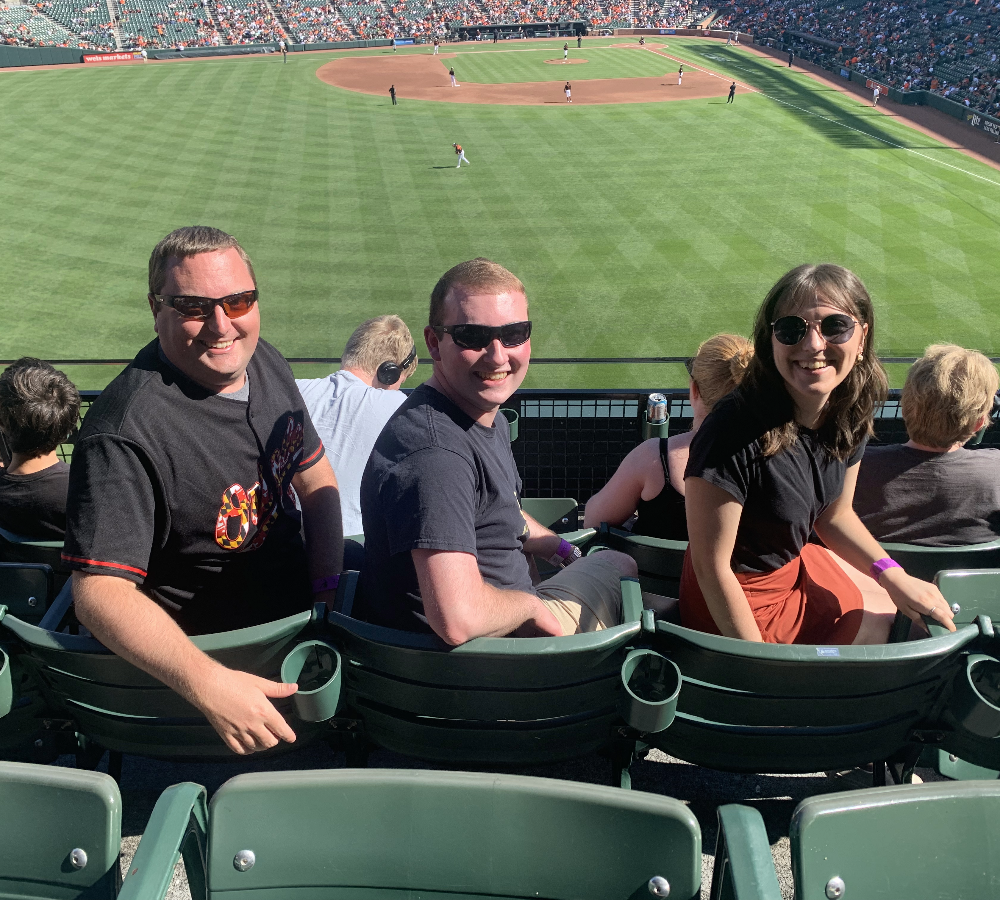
(809, 600)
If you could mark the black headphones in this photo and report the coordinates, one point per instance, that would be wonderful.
(389, 373)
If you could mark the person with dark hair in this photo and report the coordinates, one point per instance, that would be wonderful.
(182, 515)
(446, 541)
(778, 460)
(649, 483)
(392, 93)
(732, 92)
(39, 408)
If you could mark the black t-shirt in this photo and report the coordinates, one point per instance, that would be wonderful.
(782, 495)
(34, 506)
(188, 493)
(437, 480)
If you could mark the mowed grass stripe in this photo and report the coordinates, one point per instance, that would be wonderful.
(639, 230)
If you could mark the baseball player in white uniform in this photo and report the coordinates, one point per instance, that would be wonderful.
(460, 153)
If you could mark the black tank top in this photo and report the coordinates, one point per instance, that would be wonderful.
(664, 515)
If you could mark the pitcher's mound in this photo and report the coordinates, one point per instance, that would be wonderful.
(570, 61)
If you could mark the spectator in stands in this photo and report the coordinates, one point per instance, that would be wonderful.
(445, 538)
(777, 460)
(649, 484)
(39, 408)
(182, 514)
(349, 408)
(931, 490)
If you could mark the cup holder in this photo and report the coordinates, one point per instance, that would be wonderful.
(315, 667)
(651, 685)
(975, 703)
(513, 418)
(6, 687)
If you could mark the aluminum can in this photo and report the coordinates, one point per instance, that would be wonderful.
(656, 409)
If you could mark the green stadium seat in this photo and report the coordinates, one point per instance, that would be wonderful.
(60, 834)
(502, 701)
(552, 512)
(914, 841)
(17, 549)
(748, 707)
(926, 562)
(660, 561)
(398, 834)
(26, 589)
(106, 703)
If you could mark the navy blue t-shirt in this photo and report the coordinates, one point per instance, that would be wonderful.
(437, 480)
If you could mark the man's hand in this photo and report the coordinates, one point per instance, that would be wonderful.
(133, 626)
(542, 624)
(236, 705)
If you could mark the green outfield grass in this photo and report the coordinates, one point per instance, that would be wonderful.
(639, 229)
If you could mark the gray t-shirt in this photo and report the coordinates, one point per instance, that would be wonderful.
(934, 499)
(349, 416)
(437, 480)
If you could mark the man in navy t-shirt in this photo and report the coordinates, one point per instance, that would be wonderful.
(446, 542)
(182, 516)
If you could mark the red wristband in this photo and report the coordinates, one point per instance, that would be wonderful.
(329, 583)
(880, 565)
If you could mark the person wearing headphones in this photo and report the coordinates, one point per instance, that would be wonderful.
(351, 406)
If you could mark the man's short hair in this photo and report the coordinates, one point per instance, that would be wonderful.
(477, 274)
(947, 391)
(39, 406)
(190, 241)
(379, 340)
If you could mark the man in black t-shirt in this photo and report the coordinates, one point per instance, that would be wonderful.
(445, 538)
(39, 408)
(182, 515)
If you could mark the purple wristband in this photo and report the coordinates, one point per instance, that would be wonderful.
(880, 565)
(329, 583)
(565, 549)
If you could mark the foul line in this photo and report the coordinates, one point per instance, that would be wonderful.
(809, 112)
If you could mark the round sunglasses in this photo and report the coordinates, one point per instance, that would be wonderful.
(233, 305)
(835, 329)
(479, 337)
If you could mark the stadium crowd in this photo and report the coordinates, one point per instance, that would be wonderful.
(168, 537)
(947, 47)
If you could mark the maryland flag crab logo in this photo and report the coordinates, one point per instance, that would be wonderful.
(237, 513)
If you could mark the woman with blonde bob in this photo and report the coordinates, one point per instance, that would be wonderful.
(931, 490)
(650, 480)
(779, 459)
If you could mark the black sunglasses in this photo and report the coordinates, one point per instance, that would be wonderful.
(478, 337)
(835, 329)
(234, 305)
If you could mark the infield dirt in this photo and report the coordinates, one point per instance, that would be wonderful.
(419, 77)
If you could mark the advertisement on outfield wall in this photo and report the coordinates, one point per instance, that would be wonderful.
(871, 85)
(984, 123)
(112, 57)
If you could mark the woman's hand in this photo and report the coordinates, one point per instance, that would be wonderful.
(916, 598)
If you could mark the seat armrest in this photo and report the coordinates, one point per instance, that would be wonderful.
(56, 613)
(346, 589)
(178, 827)
(744, 868)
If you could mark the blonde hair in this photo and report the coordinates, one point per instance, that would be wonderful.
(947, 391)
(480, 274)
(719, 365)
(191, 241)
(379, 340)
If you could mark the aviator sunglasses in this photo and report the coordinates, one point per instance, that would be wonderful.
(835, 329)
(234, 305)
(479, 337)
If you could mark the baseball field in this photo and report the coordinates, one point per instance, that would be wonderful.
(640, 227)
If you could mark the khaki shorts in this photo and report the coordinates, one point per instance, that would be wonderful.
(585, 596)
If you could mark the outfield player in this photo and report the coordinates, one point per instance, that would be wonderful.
(569, 92)
(875, 95)
(283, 47)
(460, 153)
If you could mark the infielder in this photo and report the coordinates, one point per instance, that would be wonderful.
(451, 75)
(569, 93)
(436, 47)
(732, 92)
(680, 76)
(565, 52)
(460, 153)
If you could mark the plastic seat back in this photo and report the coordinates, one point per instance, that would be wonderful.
(558, 513)
(660, 561)
(399, 833)
(975, 591)
(26, 589)
(926, 562)
(60, 833)
(14, 548)
(912, 841)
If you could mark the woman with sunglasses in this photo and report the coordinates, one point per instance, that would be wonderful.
(650, 480)
(777, 461)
